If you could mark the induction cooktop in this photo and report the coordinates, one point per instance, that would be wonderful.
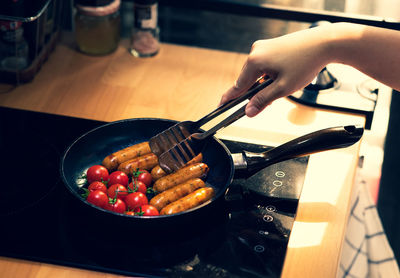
(39, 218)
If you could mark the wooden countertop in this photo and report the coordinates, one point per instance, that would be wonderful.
(186, 83)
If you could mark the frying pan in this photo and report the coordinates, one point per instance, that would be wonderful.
(91, 148)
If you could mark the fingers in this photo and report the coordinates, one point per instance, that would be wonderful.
(264, 98)
(247, 77)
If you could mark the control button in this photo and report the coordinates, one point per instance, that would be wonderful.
(280, 174)
(277, 183)
(259, 248)
(264, 233)
(268, 218)
(270, 208)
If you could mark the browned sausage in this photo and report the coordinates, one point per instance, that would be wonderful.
(157, 172)
(192, 200)
(192, 171)
(112, 161)
(176, 192)
(144, 162)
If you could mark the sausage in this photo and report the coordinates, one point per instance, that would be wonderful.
(171, 195)
(191, 200)
(192, 171)
(112, 161)
(157, 172)
(144, 162)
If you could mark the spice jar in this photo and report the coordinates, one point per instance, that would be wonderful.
(145, 33)
(97, 26)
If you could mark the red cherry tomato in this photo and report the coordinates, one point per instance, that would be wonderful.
(143, 176)
(117, 190)
(129, 212)
(118, 206)
(97, 185)
(137, 186)
(146, 210)
(118, 177)
(97, 173)
(98, 198)
(136, 199)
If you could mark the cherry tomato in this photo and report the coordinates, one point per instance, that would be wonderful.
(136, 199)
(98, 198)
(118, 177)
(97, 173)
(143, 176)
(129, 212)
(98, 185)
(137, 186)
(118, 206)
(117, 190)
(146, 210)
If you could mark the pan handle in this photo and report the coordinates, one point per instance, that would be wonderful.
(318, 141)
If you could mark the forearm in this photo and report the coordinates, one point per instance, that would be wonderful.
(294, 60)
(374, 51)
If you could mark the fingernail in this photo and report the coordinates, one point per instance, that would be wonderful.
(251, 111)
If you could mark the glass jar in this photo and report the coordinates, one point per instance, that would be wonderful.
(145, 33)
(14, 48)
(97, 27)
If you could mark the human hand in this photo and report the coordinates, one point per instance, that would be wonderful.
(292, 61)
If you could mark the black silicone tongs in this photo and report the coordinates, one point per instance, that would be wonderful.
(170, 137)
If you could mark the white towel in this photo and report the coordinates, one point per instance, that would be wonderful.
(366, 250)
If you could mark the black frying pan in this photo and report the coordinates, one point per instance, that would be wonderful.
(93, 146)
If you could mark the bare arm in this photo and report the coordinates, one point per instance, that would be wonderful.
(294, 60)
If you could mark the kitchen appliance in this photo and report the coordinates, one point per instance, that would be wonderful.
(39, 216)
(335, 89)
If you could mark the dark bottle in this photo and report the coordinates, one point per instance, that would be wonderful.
(145, 32)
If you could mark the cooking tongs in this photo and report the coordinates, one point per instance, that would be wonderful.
(180, 143)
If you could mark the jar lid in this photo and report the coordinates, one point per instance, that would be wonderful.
(112, 7)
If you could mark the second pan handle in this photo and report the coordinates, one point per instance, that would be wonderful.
(318, 141)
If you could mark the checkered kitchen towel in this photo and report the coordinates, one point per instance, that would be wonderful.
(366, 250)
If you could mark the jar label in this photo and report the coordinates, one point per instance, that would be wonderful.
(146, 16)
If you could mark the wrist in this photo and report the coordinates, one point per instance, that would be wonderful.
(341, 42)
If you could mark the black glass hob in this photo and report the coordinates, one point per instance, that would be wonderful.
(38, 215)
